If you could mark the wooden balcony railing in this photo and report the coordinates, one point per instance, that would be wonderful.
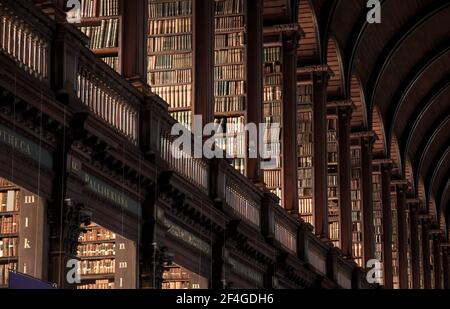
(237, 196)
(286, 236)
(22, 40)
(193, 169)
(97, 91)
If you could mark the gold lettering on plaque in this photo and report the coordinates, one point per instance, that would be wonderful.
(26, 244)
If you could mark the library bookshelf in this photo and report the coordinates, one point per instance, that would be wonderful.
(230, 78)
(107, 260)
(176, 277)
(21, 228)
(170, 55)
(356, 200)
(272, 109)
(305, 142)
(101, 21)
(377, 213)
(9, 230)
(395, 253)
(333, 180)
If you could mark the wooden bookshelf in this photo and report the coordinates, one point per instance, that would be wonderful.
(9, 228)
(106, 259)
(333, 180)
(20, 219)
(421, 275)
(272, 118)
(432, 266)
(395, 248)
(101, 21)
(230, 77)
(305, 150)
(176, 277)
(96, 252)
(357, 213)
(170, 55)
(377, 213)
(408, 251)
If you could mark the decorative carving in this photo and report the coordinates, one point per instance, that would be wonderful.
(75, 216)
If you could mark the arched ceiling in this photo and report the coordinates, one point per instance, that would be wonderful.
(309, 48)
(335, 85)
(359, 116)
(403, 68)
(398, 75)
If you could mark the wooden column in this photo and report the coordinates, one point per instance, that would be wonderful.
(437, 259)
(255, 63)
(402, 234)
(446, 265)
(289, 123)
(413, 204)
(426, 252)
(134, 55)
(344, 111)
(386, 169)
(203, 64)
(320, 77)
(366, 194)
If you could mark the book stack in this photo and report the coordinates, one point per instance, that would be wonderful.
(96, 252)
(272, 100)
(395, 254)
(229, 71)
(169, 50)
(103, 36)
(101, 22)
(333, 180)
(377, 212)
(305, 164)
(9, 229)
(175, 278)
(108, 7)
(355, 192)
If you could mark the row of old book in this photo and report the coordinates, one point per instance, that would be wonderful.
(224, 7)
(181, 42)
(159, 9)
(104, 36)
(169, 61)
(169, 26)
(9, 224)
(158, 78)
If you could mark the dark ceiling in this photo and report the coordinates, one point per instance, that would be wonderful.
(396, 72)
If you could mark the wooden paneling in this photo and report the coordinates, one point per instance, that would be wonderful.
(359, 116)
(308, 49)
(335, 83)
(379, 148)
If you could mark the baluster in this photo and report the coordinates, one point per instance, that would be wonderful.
(45, 73)
(85, 90)
(134, 127)
(19, 44)
(88, 92)
(127, 120)
(27, 53)
(39, 58)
